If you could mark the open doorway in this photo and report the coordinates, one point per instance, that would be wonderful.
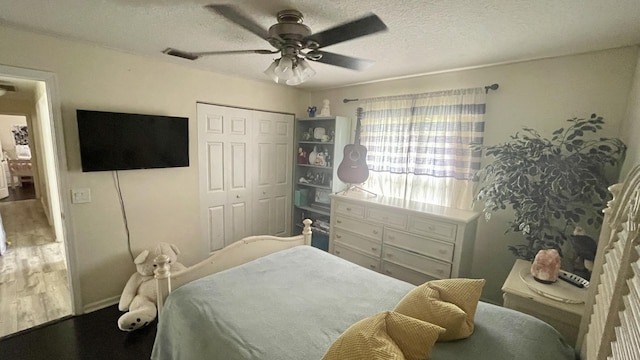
(36, 277)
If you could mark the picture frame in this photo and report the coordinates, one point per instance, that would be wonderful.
(322, 196)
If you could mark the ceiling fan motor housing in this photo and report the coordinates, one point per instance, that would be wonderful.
(289, 31)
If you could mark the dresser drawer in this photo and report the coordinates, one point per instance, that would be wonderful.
(416, 262)
(437, 249)
(404, 274)
(349, 209)
(433, 228)
(356, 257)
(388, 217)
(373, 248)
(373, 231)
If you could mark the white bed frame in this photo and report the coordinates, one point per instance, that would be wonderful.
(238, 253)
(610, 327)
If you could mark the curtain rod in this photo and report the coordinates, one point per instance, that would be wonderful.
(486, 90)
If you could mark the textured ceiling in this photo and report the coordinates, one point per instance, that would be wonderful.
(423, 37)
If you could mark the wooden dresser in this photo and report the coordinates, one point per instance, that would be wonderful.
(410, 241)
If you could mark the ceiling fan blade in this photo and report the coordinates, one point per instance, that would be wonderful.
(195, 55)
(342, 60)
(367, 25)
(239, 18)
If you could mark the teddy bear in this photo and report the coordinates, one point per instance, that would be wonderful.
(139, 297)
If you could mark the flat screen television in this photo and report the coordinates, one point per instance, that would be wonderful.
(121, 141)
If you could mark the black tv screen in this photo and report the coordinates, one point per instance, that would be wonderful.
(120, 141)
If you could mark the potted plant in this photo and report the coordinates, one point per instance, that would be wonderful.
(552, 185)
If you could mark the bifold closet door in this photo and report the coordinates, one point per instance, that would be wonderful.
(245, 173)
(272, 179)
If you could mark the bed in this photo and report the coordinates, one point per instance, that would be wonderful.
(274, 298)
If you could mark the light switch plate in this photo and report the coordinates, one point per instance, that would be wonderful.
(79, 196)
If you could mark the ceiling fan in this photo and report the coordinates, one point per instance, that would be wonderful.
(295, 42)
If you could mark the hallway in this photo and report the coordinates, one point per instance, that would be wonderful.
(33, 276)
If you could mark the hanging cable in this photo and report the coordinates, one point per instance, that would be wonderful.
(116, 180)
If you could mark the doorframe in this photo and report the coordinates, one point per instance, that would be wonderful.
(60, 162)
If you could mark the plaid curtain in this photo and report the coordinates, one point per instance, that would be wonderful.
(414, 140)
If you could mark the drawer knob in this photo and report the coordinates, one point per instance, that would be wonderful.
(391, 237)
(442, 251)
(374, 249)
(339, 221)
(389, 272)
(389, 255)
(348, 209)
(339, 236)
(440, 271)
(432, 228)
(373, 266)
(375, 232)
(337, 252)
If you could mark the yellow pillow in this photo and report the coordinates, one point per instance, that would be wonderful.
(387, 335)
(448, 303)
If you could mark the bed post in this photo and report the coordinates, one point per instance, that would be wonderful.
(162, 275)
(306, 231)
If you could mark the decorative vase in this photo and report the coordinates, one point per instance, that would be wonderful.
(312, 111)
(313, 155)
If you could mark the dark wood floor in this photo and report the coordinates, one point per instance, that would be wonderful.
(24, 192)
(90, 336)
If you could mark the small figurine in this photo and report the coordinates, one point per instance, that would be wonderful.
(302, 156)
(320, 160)
(325, 111)
(312, 111)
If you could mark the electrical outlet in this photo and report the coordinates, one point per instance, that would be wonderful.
(79, 196)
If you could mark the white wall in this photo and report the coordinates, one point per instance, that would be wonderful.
(631, 126)
(162, 204)
(540, 94)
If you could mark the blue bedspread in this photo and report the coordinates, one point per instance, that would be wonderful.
(293, 304)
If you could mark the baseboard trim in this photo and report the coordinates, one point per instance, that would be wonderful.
(98, 305)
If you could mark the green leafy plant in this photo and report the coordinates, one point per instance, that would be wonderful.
(551, 184)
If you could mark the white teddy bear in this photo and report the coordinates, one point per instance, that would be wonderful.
(139, 295)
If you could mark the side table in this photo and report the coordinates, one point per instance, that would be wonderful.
(564, 317)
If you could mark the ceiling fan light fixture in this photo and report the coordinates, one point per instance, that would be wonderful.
(290, 71)
(270, 72)
(306, 70)
(284, 70)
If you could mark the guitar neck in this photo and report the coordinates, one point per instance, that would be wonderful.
(358, 117)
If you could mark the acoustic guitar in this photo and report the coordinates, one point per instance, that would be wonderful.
(353, 168)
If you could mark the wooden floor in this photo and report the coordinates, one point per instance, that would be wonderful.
(92, 336)
(33, 275)
(24, 192)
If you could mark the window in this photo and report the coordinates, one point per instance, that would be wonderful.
(418, 146)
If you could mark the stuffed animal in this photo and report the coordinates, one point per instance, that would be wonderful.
(139, 295)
